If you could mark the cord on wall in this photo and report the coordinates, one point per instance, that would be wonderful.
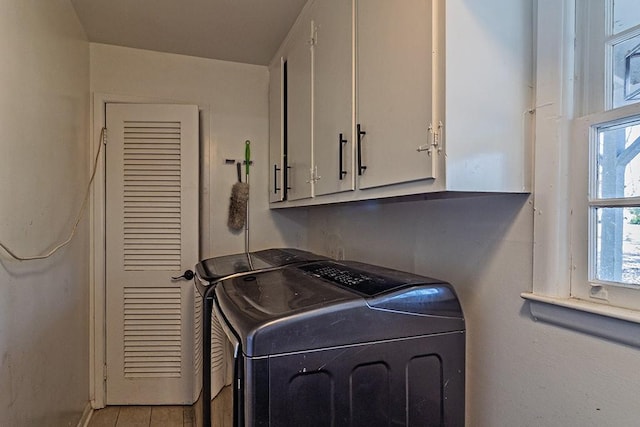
(78, 218)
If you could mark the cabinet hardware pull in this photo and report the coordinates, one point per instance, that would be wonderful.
(343, 172)
(276, 169)
(360, 133)
(288, 180)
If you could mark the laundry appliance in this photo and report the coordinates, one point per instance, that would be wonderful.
(332, 343)
(208, 273)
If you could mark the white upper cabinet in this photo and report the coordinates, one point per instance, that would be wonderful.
(394, 98)
(430, 96)
(485, 87)
(297, 141)
(332, 96)
(276, 134)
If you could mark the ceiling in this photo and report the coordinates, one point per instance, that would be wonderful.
(248, 31)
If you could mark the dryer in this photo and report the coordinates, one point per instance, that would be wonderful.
(208, 273)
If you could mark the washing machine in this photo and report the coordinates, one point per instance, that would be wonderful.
(342, 344)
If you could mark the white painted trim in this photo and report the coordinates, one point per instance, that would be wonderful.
(97, 265)
(613, 323)
(97, 296)
(553, 110)
(619, 313)
(86, 416)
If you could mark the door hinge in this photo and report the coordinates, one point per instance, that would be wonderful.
(104, 372)
(435, 139)
(313, 175)
(104, 135)
(313, 36)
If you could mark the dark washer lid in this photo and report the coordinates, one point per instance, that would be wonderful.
(327, 303)
(213, 269)
(286, 256)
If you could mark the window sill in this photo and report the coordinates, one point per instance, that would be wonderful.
(617, 324)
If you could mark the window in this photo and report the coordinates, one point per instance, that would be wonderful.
(613, 211)
(623, 46)
(608, 53)
(605, 239)
(586, 187)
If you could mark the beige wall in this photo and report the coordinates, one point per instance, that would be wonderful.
(234, 101)
(519, 372)
(44, 305)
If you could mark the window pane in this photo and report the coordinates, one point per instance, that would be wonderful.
(626, 14)
(618, 245)
(618, 160)
(626, 72)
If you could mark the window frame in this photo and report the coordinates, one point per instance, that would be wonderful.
(584, 285)
(555, 205)
(595, 41)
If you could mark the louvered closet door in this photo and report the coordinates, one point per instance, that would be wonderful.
(152, 235)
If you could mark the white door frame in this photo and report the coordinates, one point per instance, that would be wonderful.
(97, 267)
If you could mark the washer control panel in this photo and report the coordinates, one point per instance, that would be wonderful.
(359, 281)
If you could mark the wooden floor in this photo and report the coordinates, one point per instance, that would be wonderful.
(147, 416)
(166, 416)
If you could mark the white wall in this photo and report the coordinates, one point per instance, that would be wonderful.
(44, 305)
(234, 98)
(519, 372)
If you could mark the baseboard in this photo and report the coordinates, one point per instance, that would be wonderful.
(86, 415)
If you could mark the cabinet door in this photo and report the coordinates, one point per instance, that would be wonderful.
(394, 97)
(333, 96)
(276, 104)
(298, 137)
